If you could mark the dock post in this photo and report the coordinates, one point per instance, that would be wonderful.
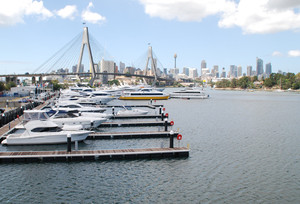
(171, 139)
(159, 110)
(166, 124)
(76, 145)
(113, 110)
(69, 142)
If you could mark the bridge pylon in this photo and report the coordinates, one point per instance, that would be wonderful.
(85, 41)
(153, 64)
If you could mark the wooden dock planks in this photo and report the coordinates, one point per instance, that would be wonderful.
(39, 156)
(131, 135)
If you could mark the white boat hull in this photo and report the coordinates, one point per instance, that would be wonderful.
(44, 138)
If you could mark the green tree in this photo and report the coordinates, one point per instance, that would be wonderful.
(223, 84)
(268, 82)
(56, 85)
(244, 82)
(2, 86)
(233, 83)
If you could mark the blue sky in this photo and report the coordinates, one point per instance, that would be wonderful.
(222, 32)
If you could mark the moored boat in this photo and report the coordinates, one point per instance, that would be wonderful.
(147, 94)
(189, 94)
(42, 132)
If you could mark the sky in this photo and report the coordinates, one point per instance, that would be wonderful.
(221, 32)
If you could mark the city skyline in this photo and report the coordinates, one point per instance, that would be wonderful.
(32, 31)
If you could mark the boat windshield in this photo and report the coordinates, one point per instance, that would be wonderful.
(46, 129)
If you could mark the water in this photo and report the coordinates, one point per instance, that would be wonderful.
(244, 149)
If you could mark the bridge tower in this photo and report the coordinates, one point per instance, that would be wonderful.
(153, 64)
(85, 41)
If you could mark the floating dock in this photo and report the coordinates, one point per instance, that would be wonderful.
(92, 155)
(131, 135)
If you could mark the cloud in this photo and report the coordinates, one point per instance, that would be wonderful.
(68, 12)
(276, 54)
(294, 53)
(261, 16)
(92, 17)
(14, 11)
(185, 10)
(252, 16)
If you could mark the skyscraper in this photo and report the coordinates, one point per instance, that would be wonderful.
(186, 71)
(268, 69)
(249, 70)
(259, 66)
(233, 71)
(223, 75)
(239, 71)
(203, 66)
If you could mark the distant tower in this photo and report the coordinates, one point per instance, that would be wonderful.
(259, 66)
(85, 41)
(203, 66)
(175, 56)
(268, 69)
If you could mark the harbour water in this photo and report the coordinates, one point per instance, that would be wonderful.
(244, 149)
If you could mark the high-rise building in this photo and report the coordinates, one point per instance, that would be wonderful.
(268, 69)
(233, 71)
(186, 71)
(259, 66)
(174, 71)
(203, 66)
(107, 67)
(239, 71)
(122, 67)
(223, 75)
(249, 70)
(193, 73)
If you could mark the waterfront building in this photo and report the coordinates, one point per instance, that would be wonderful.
(233, 71)
(107, 67)
(223, 74)
(203, 66)
(239, 71)
(193, 73)
(259, 66)
(174, 71)
(186, 71)
(122, 67)
(268, 69)
(249, 70)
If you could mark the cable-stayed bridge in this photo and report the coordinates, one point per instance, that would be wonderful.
(82, 50)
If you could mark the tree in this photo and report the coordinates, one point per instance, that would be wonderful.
(2, 86)
(268, 82)
(244, 82)
(56, 85)
(233, 83)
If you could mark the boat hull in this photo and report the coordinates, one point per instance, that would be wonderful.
(144, 97)
(46, 138)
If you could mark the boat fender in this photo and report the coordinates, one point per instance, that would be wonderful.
(172, 123)
(179, 137)
(167, 115)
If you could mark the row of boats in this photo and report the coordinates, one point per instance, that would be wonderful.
(77, 113)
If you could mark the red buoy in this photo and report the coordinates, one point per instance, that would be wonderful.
(179, 137)
(164, 109)
(167, 115)
(172, 123)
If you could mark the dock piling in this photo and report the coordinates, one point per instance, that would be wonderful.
(69, 149)
(171, 139)
(166, 124)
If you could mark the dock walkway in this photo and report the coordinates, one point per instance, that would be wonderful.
(92, 155)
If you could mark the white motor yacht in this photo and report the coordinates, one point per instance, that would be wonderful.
(127, 110)
(42, 132)
(189, 94)
(65, 118)
(69, 106)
